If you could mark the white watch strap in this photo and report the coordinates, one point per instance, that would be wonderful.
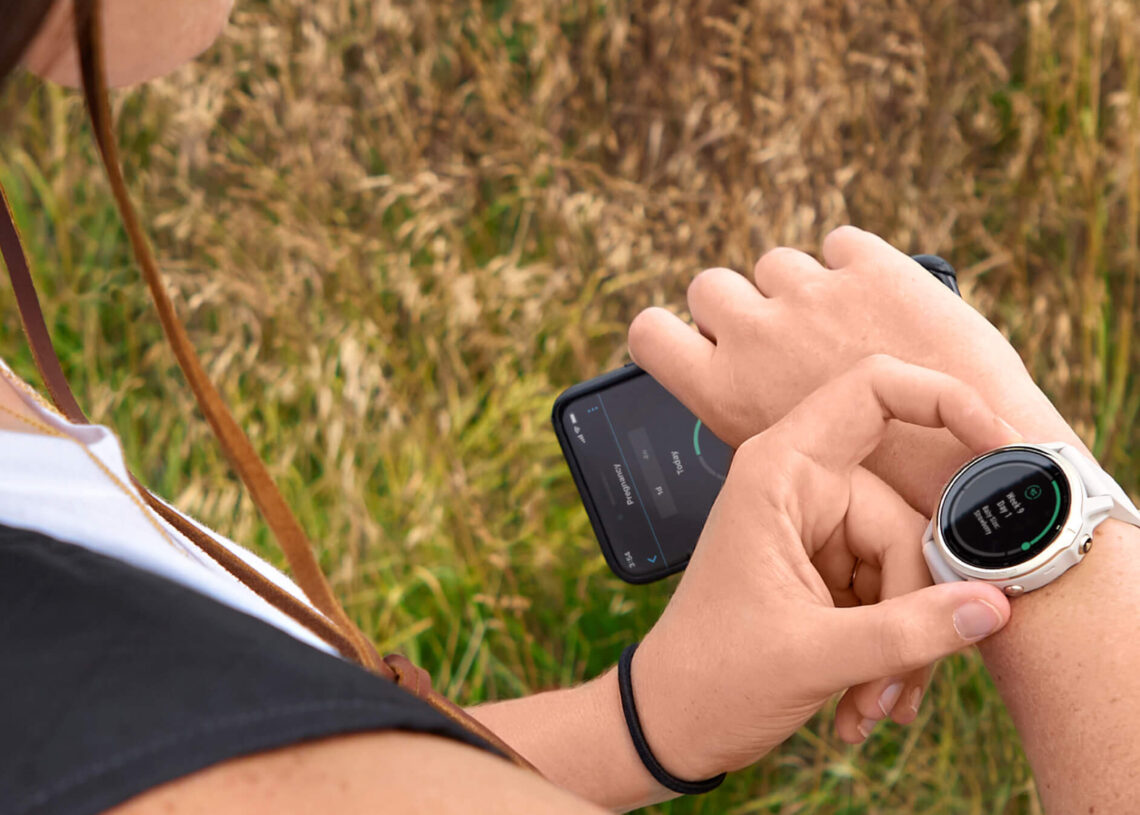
(1099, 483)
(939, 569)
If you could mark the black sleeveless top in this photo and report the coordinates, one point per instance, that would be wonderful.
(114, 680)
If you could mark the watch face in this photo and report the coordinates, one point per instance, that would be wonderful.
(1005, 508)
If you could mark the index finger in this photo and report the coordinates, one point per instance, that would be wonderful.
(844, 420)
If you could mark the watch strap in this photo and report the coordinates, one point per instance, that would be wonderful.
(1099, 483)
(940, 570)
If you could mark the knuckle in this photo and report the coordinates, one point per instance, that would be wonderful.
(841, 235)
(750, 451)
(755, 454)
(644, 325)
(866, 701)
(900, 641)
(875, 365)
(777, 257)
(767, 454)
(708, 281)
(791, 266)
(744, 458)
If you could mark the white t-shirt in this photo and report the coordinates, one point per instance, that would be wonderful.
(70, 482)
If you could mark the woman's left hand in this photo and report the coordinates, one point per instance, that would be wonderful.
(765, 626)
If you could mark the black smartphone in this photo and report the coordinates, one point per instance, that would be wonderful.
(648, 470)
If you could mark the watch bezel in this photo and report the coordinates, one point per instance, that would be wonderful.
(1066, 539)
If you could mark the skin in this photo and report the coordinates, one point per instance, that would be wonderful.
(794, 494)
(789, 494)
(764, 346)
(1068, 665)
(145, 39)
(364, 773)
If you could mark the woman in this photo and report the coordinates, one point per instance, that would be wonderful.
(750, 646)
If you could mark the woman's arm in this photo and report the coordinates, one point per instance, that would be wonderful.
(371, 773)
(1068, 668)
(750, 611)
(1068, 664)
(578, 740)
(752, 644)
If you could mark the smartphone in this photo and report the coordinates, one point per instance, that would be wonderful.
(647, 469)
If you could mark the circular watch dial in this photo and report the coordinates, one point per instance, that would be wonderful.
(1005, 508)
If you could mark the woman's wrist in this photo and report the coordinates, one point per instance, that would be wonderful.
(634, 785)
(577, 738)
(1068, 669)
(668, 689)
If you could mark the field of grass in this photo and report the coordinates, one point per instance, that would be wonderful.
(397, 230)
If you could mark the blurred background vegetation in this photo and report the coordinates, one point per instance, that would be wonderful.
(397, 230)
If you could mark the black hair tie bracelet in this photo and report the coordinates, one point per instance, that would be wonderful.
(625, 685)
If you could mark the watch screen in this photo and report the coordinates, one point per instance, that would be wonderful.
(1005, 508)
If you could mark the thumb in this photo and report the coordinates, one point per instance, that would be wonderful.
(910, 631)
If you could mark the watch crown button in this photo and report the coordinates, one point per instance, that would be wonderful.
(1086, 544)
(1014, 591)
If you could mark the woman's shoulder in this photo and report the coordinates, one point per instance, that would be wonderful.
(71, 481)
(115, 680)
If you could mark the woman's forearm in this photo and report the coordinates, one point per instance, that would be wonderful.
(577, 738)
(1067, 664)
(1068, 667)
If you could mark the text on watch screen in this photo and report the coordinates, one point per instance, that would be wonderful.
(1005, 509)
(653, 470)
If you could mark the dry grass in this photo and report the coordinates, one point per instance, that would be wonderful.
(396, 230)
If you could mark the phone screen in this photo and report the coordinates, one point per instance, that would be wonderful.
(651, 469)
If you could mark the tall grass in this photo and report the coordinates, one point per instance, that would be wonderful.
(397, 229)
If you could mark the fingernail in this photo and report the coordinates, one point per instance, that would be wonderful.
(889, 697)
(976, 619)
(866, 726)
(915, 699)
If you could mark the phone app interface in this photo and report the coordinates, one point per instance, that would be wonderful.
(1005, 509)
(651, 467)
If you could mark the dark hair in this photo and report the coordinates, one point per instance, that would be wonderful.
(22, 20)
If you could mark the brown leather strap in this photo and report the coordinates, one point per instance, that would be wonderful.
(290, 537)
(32, 317)
(43, 352)
(331, 623)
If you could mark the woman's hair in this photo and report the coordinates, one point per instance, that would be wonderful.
(22, 20)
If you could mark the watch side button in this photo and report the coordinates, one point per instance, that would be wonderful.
(1014, 591)
(1086, 544)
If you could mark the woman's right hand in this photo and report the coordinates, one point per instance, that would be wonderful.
(766, 344)
(752, 643)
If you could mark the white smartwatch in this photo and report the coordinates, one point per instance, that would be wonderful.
(1020, 516)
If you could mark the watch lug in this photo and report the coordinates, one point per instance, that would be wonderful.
(1097, 508)
(939, 569)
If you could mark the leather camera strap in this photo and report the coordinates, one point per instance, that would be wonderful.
(43, 352)
(329, 621)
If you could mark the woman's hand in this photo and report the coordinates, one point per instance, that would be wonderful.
(763, 346)
(753, 644)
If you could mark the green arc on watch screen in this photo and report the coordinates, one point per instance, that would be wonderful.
(1005, 508)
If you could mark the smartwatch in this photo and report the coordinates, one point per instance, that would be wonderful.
(1021, 515)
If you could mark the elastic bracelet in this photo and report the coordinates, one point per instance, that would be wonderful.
(625, 685)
